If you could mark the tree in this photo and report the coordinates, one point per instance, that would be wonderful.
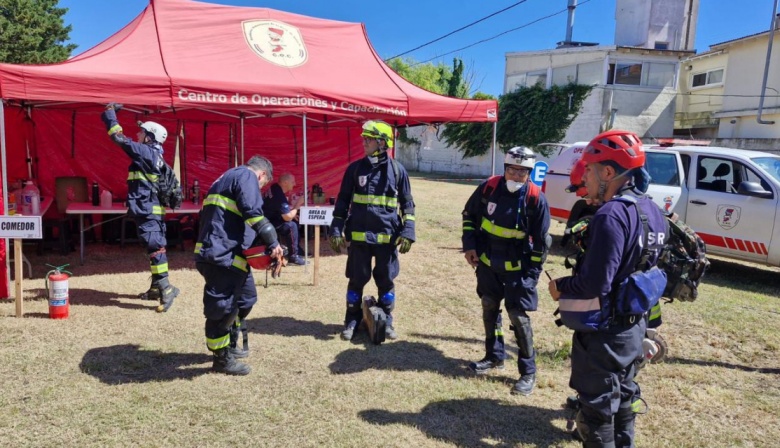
(33, 32)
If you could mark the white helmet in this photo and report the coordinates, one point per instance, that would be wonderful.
(156, 129)
(520, 156)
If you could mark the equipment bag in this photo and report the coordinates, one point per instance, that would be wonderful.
(167, 187)
(375, 319)
(684, 259)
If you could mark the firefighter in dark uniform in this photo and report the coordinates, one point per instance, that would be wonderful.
(233, 203)
(142, 203)
(607, 344)
(366, 212)
(505, 237)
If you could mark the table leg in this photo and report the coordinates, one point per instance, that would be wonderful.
(81, 237)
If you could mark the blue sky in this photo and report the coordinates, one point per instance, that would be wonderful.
(397, 26)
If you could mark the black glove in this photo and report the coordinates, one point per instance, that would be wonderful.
(116, 106)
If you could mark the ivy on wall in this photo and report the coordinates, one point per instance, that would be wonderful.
(526, 117)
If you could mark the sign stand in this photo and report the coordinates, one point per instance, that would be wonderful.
(17, 227)
(18, 271)
(316, 216)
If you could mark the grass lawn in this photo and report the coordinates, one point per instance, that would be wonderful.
(115, 373)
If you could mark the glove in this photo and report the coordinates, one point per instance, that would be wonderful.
(336, 243)
(404, 244)
(276, 270)
(116, 106)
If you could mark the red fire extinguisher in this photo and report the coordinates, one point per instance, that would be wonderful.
(57, 288)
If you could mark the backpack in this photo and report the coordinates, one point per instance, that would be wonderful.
(167, 187)
(531, 196)
(684, 259)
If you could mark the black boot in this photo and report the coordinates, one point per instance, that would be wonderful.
(237, 327)
(224, 362)
(168, 293)
(153, 293)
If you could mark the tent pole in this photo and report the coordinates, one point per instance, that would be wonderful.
(493, 159)
(5, 189)
(242, 138)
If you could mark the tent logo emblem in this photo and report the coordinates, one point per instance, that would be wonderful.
(491, 113)
(276, 42)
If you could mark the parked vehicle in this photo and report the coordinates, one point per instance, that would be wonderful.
(730, 197)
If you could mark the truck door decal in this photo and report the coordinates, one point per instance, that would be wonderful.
(753, 247)
(727, 216)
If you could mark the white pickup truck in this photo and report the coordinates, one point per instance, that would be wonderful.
(730, 197)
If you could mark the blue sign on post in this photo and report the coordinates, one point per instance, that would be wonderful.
(538, 173)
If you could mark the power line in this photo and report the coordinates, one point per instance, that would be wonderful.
(500, 34)
(458, 30)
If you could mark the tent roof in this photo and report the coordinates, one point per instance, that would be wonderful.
(185, 54)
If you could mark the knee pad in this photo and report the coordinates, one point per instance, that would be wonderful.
(595, 433)
(387, 302)
(490, 304)
(521, 324)
(353, 300)
(216, 328)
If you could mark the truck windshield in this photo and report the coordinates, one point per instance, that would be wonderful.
(662, 168)
(769, 164)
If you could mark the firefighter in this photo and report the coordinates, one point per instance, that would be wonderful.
(623, 237)
(367, 215)
(146, 160)
(505, 238)
(233, 206)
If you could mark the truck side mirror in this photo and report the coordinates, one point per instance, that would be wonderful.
(753, 189)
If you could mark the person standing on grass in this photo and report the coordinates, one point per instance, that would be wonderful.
(233, 202)
(366, 215)
(505, 238)
(607, 298)
(146, 162)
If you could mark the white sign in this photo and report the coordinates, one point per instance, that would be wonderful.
(316, 215)
(538, 173)
(27, 227)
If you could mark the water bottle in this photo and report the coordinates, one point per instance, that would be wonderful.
(195, 192)
(105, 199)
(12, 203)
(31, 199)
(95, 194)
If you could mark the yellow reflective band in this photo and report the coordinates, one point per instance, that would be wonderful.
(483, 258)
(370, 199)
(655, 312)
(409, 218)
(499, 331)
(579, 305)
(114, 129)
(140, 175)
(501, 232)
(222, 202)
(218, 343)
(159, 268)
(636, 406)
(465, 227)
(536, 259)
(158, 210)
(252, 221)
(381, 238)
(240, 263)
(198, 246)
(508, 266)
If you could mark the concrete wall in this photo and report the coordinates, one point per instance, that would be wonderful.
(642, 23)
(647, 112)
(433, 156)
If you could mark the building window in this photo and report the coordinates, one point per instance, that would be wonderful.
(707, 78)
(628, 74)
(662, 45)
(647, 74)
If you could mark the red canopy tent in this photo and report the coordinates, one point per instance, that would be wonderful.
(227, 82)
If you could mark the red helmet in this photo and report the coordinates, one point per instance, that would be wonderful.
(258, 258)
(575, 177)
(621, 147)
